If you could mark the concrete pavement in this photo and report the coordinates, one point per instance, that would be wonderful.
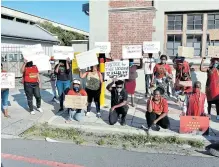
(28, 153)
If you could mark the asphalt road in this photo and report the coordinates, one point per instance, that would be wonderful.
(28, 153)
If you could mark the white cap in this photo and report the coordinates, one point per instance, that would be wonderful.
(76, 81)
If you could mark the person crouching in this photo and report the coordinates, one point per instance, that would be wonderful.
(119, 104)
(75, 90)
(156, 114)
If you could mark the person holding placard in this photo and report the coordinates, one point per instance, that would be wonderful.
(75, 90)
(4, 98)
(119, 104)
(157, 111)
(212, 84)
(63, 73)
(162, 76)
(130, 84)
(32, 85)
(149, 64)
(94, 80)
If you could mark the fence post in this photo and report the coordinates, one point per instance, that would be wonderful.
(102, 70)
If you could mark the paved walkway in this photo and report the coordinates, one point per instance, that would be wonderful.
(22, 120)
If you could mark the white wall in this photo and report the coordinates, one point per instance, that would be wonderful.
(99, 22)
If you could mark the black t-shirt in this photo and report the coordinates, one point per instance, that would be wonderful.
(117, 98)
(63, 74)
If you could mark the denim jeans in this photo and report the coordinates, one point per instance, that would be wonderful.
(53, 85)
(75, 115)
(4, 95)
(62, 86)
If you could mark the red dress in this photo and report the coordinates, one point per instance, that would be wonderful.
(130, 84)
(212, 85)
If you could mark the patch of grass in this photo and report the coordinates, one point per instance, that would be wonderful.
(125, 146)
(127, 140)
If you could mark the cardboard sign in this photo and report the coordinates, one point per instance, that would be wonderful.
(75, 102)
(117, 69)
(214, 34)
(185, 83)
(43, 63)
(186, 51)
(32, 52)
(151, 47)
(63, 52)
(131, 51)
(7, 80)
(103, 47)
(190, 124)
(87, 59)
(213, 51)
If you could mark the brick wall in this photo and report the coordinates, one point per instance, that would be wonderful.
(130, 27)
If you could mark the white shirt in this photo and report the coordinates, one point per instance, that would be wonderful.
(185, 104)
(147, 61)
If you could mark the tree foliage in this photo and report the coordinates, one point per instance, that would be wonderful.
(65, 37)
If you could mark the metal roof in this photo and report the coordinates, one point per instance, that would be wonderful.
(13, 29)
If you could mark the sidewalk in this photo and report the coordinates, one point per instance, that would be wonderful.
(21, 120)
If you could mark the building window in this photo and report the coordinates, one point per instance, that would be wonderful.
(195, 41)
(211, 43)
(21, 20)
(173, 41)
(194, 22)
(7, 17)
(213, 21)
(175, 22)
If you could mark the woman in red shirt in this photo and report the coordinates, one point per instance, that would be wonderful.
(32, 85)
(156, 114)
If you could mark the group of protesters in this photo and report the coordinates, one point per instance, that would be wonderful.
(159, 85)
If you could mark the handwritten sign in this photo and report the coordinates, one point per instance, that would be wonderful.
(63, 52)
(131, 51)
(7, 80)
(185, 83)
(213, 51)
(32, 52)
(214, 34)
(151, 46)
(103, 47)
(190, 124)
(186, 51)
(43, 63)
(87, 59)
(75, 102)
(117, 69)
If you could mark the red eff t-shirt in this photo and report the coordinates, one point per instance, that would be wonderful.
(31, 74)
(161, 69)
(159, 108)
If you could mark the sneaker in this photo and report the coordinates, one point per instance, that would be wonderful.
(217, 117)
(123, 122)
(155, 128)
(98, 115)
(87, 113)
(40, 110)
(32, 112)
(214, 152)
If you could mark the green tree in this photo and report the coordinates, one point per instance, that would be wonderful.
(65, 37)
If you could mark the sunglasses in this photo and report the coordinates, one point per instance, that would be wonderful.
(118, 87)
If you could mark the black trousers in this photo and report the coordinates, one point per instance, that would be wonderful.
(216, 102)
(114, 115)
(148, 78)
(93, 95)
(32, 89)
(151, 117)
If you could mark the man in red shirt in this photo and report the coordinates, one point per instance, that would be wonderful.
(157, 110)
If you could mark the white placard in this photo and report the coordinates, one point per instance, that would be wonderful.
(151, 46)
(117, 69)
(43, 63)
(32, 52)
(63, 52)
(131, 51)
(7, 80)
(87, 59)
(103, 47)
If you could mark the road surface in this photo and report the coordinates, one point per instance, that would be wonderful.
(28, 153)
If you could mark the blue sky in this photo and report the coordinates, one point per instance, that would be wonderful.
(65, 12)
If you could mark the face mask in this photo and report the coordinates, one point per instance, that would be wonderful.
(119, 90)
(131, 64)
(216, 65)
(76, 89)
(196, 90)
(163, 61)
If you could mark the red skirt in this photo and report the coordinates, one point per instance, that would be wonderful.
(130, 86)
